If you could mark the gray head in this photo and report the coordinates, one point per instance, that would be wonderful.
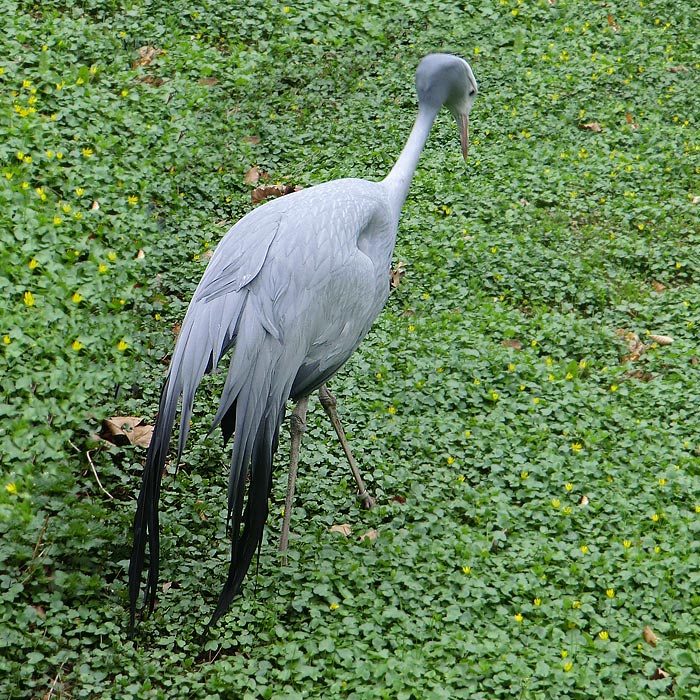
(444, 79)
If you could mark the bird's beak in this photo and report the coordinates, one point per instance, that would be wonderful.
(463, 124)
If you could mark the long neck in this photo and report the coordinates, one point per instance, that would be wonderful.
(399, 179)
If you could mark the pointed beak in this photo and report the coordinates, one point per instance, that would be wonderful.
(463, 124)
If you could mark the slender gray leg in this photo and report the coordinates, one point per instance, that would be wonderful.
(297, 426)
(329, 403)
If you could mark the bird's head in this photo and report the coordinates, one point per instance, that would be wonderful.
(444, 79)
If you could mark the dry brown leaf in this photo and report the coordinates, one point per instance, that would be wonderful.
(252, 176)
(145, 55)
(265, 191)
(125, 430)
(632, 124)
(611, 23)
(206, 255)
(343, 529)
(396, 274)
(677, 69)
(660, 675)
(369, 535)
(592, 126)
(95, 206)
(695, 199)
(141, 254)
(211, 80)
(649, 636)
(658, 286)
(634, 344)
(512, 343)
(251, 139)
(167, 586)
(661, 339)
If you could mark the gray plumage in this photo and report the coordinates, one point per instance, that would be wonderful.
(292, 289)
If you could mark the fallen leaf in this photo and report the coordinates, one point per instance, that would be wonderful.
(265, 191)
(211, 80)
(125, 430)
(641, 375)
(167, 586)
(695, 199)
(512, 343)
(634, 344)
(40, 611)
(206, 255)
(396, 274)
(399, 499)
(677, 69)
(662, 339)
(584, 501)
(252, 176)
(141, 254)
(592, 126)
(343, 529)
(658, 286)
(369, 535)
(145, 55)
(251, 139)
(649, 636)
(632, 124)
(660, 675)
(611, 23)
(94, 206)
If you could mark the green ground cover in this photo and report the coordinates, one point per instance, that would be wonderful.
(534, 450)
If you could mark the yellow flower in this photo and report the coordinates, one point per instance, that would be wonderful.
(33, 264)
(494, 395)
(11, 488)
(610, 592)
(568, 666)
(569, 375)
(66, 208)
(26, 84)
(102, 268)
(511, 367)
(6, 339)
(450, 460)
(556, 503)
(524, 475)
(626, 544)
(613, 387)
(537, 602)
(466, 570)
(77, 345)
(20, 155)
(124, 92)
(392, 410)
(467, 433)
(461, 478)
(655, 517)
(132, 199)
(112, 255)
(576, 446)
(662, 481)
(569, 486)
(582, 364)
(57, 220)
(87, 152)
(27, 159)
(518, 617)
(334, 606)
(29, 299)
(76, 298)
(411, 328)
(564, 653)
(584, 548)
(576, 605)
(122, 345)
(535, 400)
(603, 634)
(79, 191)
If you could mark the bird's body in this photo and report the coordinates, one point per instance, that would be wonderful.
(292, 289)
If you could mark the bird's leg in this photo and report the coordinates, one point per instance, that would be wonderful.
(329, 403)
(297, 426)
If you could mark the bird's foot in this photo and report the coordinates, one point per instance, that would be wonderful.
(366, 501)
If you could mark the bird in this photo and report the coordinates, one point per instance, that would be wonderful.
(290, 292)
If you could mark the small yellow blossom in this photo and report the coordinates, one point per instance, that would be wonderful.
(102, 268)
(537, 602)
(77, 345)
(613, 387)
(494, 395)
(28, 299)
(11, 488)
(564, 653)
(27, 160)
(111, 255)
(626, 544)
(536, 400)
(576, 446)
(87, 152)
(582, 364)
(6, 339)
(524, 475)
(124, 92)
(392, 410)
(568, 666)
(655, 517)
(26, 84)
(556, 503)
(569, 375)
(57, 220)
(477, 381)
(511, 367)
(466, 570)
(603, 634)
(411, 328)
(569, 486)
(132, 199)
(25, 185)
(450, 460)
(467, 433)
(518, 617)
(610, 592)
(461, 478)
(122, 345)
(584, 549)
(576, 605)
(79, 191)
(66, 208)
(33, 264)
(662, 482)
(334, 606)
(76, 298)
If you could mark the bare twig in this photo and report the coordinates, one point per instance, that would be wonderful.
(49, 695)
(94, 471)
